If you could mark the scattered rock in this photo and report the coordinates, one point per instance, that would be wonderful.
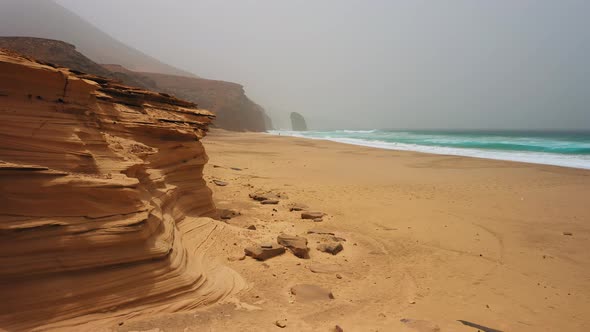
(319, 232)
(297, 244)
(325, 268)
(226, 214)
(568, 233)
(318, 219)
(331, 247)
(220, 183)
(337, 328)
(251, 227)
(307, 292)
(236, 258)
(269, 201)
(298, 207)
(260, 196)
(281, 323)
(338, 276)
(235, 168)
(216, 166)
(312, 215)
(477, 326)
(263, 253)
(266, 245)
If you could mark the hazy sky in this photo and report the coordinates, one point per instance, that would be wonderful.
(376, 63)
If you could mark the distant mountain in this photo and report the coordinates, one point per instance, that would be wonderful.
(47, 19)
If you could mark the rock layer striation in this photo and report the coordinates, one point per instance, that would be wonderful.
(102, 200)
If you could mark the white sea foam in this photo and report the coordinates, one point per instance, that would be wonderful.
(573, 161)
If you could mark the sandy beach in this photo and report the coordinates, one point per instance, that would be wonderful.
(428, 240)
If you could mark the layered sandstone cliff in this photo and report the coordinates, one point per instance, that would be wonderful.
(101, 200)
(233, 109)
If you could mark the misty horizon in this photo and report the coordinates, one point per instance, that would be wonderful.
(369, 65)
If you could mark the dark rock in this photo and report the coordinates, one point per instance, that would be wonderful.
(297, 244)
(281, 323)
(262, 254)
(226, 214)
(337, 328)
(298, 207)
(220, 183)
(251, 227)
(298, 122)
(320, 232)
(270, 201)
(312, 215)
(331, 248)
(260, 196)
(235, 168)
(568, 233)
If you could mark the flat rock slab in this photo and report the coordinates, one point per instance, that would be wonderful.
(296, 244)
(312, 215)
(298, 207)
(260, 196)
(331, 247)
(270, 201)
(262, 254)
(226, 214)
(320, 232)
(325, 268)
(308, 292)
(220, 183)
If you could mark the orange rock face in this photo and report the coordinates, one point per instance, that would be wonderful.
(101, 194)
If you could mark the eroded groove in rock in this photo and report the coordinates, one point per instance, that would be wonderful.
(101, 199)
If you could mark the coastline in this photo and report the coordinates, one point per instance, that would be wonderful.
(530, 157)
(429, 239)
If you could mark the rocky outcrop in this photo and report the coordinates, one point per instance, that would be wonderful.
(233, 109)
(102, 200)
(298, 122)
(56, 52)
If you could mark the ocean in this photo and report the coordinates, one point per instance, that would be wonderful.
(568, 149)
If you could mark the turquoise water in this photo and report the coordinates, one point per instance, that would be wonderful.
(570, 149)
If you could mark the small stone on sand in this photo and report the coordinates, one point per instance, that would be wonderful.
(263, 253)
(220, 183)
(281, 323)
(331, 247)
(251, 227)
(312, 215)
(269, 201)
(297, 244)
(568, 233)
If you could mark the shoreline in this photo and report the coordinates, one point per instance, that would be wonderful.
(428, 240)
(533, 158)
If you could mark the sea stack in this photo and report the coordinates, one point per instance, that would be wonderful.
(298, 122)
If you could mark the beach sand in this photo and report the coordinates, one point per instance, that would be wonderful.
(428, 240)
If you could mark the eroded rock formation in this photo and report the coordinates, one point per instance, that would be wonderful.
(233, 109)
(298, 122)
(101, 200)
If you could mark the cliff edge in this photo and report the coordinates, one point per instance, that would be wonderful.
(103, 203)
